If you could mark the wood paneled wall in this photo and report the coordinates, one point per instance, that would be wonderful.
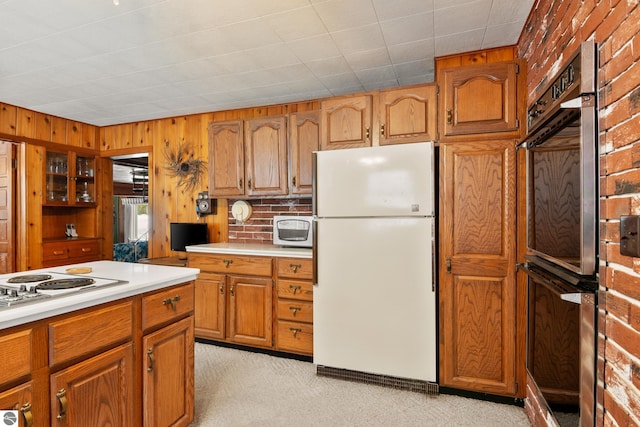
(156, 137)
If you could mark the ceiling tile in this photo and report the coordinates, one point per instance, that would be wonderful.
(296, 24)
(407, 29)
(388, 10)
(314, 48)
(340, 15)
(358, 39)
(463, 18)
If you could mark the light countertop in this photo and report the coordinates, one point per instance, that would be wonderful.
(141, 278)
(250, 249)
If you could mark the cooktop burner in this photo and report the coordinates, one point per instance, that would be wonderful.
(57, 284)
(29, 278)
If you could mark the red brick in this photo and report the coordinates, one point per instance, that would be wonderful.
(618, 161)
(618, 307)
(627, 28)
(624, 134)
(634, 316)
(614, 207)
(612, 22)
(625, 83)
(626, 284)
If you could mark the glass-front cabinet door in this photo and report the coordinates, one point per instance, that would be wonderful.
(57, 178)
(85, 180)
(69, 179)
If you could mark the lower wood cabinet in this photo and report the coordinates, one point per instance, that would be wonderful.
(62, 252)
(96, 392)
(168, 375)
(125, 363)
(234, 298)
(235, 301)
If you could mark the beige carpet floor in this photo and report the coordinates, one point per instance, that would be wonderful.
(240, 388)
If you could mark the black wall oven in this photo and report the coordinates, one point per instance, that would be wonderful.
(562, 238)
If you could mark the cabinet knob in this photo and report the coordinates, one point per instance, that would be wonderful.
(249, 183)
(232, 291)
(221, 289)
(293, 181)
(295, 267)
(448, 264)
(61, 395)
(295, 331)
(227, 262)
(171, 302)
(449, 116)
(367, 133)
(382, 130)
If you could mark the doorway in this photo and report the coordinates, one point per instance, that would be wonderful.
(131, 212)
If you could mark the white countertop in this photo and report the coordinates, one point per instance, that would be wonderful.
(141, 278)
(251, 249)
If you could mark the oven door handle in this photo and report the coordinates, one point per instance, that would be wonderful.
(564, 292)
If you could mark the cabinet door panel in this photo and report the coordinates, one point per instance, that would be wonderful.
(20, 399)
(408, 115)
(477, 267)
(266, 156)
(96, 392)
(168, 375)
(480, 99)
(226, 158)
(250, 310)
(305, 139)
(210, 306)
(346, 122)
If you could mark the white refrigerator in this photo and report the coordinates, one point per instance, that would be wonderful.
(374, 289)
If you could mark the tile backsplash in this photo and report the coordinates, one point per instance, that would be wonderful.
(259, 227)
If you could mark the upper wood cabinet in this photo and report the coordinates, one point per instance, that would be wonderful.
(346, 122)
(408, 114)
(226, 158)
(304, 140)
(478, 99)
(248, 158)
(266, 156)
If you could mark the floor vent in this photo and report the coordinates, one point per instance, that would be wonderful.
(419, 386)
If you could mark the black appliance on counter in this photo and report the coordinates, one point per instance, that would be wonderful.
(562, 238)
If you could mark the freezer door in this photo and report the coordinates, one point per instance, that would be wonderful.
(393, 180)
(375, 302)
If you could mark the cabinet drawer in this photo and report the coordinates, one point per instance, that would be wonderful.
(234, 264)
(15, 355)
(85, 248)
(295, 310)
(295, 289)
(295, 337)
(56, 251)
(295, 268)
(84, 333)
(167, 305)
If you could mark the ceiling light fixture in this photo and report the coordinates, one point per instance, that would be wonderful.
(116, 2)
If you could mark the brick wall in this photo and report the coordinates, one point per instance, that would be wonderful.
(551, 35)
(259, 228)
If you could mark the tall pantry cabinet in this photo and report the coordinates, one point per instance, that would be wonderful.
(479, 127)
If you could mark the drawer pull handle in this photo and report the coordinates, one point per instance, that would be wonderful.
(382, 130)
(294, 309)
(62, 401)
(295, 331)
(227, 262)
(232, 291)
(295, 267)
(221, 289)
(58, 252)
(26, 413)
(151, 358)
(294, 288)
(171, 302)
(449, 116)
(85, 250)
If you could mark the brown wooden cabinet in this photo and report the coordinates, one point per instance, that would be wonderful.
(346, 122)
(69, 179)
(96, 391)
(479, 99)
(234, 298)
(248, 158)
(80, 368)
(70, 251)
(408, 114)
(294, 308)
(168, 374)
(478, 349)
(265, 144)
(304, 140)
(226, 158)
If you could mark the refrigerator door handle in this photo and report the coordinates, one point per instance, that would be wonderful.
(314, 251)
(314, 184)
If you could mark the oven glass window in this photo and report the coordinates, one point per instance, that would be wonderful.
(555, 196)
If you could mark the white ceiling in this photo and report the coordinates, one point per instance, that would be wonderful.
(101, 63)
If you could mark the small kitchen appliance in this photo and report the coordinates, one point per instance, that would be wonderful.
(294, 231)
